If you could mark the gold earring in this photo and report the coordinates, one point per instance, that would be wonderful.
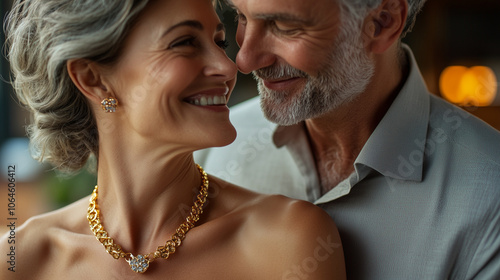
(109, 105)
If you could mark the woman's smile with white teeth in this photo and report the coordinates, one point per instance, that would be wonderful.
(208, 100)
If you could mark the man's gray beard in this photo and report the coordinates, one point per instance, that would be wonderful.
(346, 74)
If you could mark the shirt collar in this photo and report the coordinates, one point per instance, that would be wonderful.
(396, 147)
(284, 135)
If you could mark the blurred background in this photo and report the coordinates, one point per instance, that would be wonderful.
(456, 43)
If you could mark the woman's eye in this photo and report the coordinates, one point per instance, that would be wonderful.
(223, 44)
(184, 42)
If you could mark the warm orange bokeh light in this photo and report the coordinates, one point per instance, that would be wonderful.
(476, 86)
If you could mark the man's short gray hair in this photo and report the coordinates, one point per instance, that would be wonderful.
(360, 8)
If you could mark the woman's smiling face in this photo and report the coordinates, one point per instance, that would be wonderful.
(173, 78)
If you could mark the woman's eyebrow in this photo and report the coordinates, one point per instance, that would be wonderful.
(192, 23)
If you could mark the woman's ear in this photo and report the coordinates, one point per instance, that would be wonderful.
(87, 77)
(385, 24)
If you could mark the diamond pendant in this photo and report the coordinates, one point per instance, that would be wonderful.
(138, 264)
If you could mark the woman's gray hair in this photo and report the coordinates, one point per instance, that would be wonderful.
(360, 8)
(42, 35)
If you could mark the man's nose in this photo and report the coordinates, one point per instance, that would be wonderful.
(255, 52)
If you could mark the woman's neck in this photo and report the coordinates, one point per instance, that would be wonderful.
(144, 192)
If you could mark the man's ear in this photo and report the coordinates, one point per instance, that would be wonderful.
(385, 24)
(88, 79)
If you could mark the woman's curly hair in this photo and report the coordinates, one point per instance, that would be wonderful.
(42, 35)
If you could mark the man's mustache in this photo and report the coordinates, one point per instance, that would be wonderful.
(278, 71)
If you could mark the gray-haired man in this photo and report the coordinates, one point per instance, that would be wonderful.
(412, 182)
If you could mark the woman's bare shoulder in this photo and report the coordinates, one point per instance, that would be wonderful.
(68, 218)
(40, 238)
(300, 238)
(274, 209)
(278, 210)
(299, 219)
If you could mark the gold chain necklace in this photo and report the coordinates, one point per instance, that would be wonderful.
(140, 263)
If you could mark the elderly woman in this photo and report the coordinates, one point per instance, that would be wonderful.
(141, 85)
